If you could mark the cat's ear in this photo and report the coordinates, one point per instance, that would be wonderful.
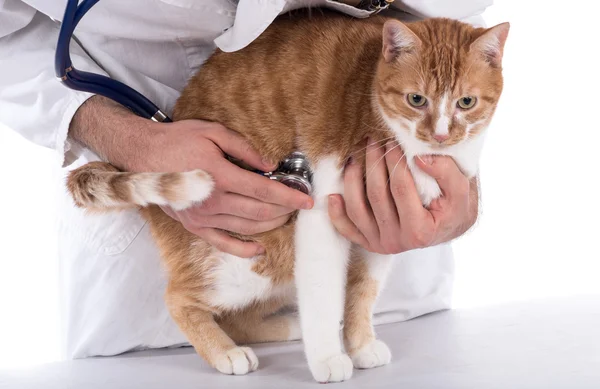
(397, 38)
(490, 45)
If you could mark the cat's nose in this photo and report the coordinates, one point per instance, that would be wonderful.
(441, 138)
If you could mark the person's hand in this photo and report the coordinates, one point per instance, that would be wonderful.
(389, 218)
(242, 201)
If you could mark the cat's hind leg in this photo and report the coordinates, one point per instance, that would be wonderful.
(207, 337)
(366, 277)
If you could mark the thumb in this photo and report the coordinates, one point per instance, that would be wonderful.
(442, 168)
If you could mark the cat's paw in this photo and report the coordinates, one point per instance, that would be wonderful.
(237, 361)
(428, 189)
(335, 369)
(372, 355)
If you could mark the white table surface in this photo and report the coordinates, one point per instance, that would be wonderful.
(546, 344)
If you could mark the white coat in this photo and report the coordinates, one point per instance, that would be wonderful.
(112, 283)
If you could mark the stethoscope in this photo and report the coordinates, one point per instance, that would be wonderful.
(91, 82)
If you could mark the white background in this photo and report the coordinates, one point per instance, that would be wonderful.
(537, 234)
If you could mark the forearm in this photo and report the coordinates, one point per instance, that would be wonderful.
(113, 132)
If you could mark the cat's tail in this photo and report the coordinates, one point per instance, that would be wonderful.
(102, 187)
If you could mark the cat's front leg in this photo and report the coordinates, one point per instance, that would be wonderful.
(366, 278)
(427, 186)
(320, 272)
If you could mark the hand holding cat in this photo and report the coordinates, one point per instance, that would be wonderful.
(393, 220)
(242, 201)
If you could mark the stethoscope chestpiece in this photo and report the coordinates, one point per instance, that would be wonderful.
(295, 172)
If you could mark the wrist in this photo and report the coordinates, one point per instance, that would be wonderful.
(112, 131)
(145, 147)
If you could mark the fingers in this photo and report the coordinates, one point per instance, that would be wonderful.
(220, 239)
(356, 202)
(343, 224)
(379, 194)
(236, 146)
(246, 207)
(260, 188)
(240, 225)
(403, 189)
(226, 243)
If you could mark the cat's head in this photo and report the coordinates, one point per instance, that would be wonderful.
(439, 81)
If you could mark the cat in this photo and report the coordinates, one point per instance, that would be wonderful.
(317, 84)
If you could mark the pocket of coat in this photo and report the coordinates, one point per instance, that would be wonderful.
(107, 234)
(120, 232)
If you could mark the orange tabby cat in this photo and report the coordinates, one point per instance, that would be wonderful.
(318, 85)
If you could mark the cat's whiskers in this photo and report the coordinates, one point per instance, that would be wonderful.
(394, 169)
(382, 146)
(381, 128)
(375, 149)
(379, 160)
(371, 144)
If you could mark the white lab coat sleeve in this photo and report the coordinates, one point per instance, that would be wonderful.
(460, 10)
(32, 100)
(254, 16)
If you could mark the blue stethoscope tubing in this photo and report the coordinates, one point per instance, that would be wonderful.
(96, 83)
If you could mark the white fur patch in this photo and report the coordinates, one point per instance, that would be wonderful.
(443, 122)
(236, 285)
(295, 332)
(372, 355)
(197, 187)
(145, 189)
(378, 265)
(237, 361)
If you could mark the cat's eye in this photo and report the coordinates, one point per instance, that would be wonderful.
(467, 102)
(416, 100)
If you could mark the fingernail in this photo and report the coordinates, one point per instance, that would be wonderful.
(428, 159)
(332, 201)
(260, 250)
(270, 164)
(351, 161)
(308, 205)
